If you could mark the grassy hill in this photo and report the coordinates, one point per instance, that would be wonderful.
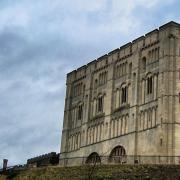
(104, 172)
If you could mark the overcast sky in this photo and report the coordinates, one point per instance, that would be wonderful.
(40, 42)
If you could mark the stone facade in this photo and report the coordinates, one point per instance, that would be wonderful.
(128, 98)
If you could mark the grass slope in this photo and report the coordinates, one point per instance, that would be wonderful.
(104, 172)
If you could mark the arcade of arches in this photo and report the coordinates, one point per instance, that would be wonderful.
(117, 155)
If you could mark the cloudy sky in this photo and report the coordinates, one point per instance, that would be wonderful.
(40, 42)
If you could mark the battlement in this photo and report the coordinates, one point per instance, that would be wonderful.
(44, 159)
(126, 50)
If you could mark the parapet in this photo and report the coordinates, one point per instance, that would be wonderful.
(124, 51)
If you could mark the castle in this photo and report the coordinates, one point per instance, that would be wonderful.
(126, 103)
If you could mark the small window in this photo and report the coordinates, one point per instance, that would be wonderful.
(80, 112)
(100, 104)
(149, 85)
(124, 95)
(161, 142)
(130, 69)
(95, 83)
(144, 64)
(84, 89)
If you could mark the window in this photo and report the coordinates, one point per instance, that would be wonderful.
(95, 83)
(161, 141)
(100, 104)
(149, 85)
(102, 78)
(144, 64)
(84, 89)
(124, 95)
(78, 89)
(130, 69)
(80, 112)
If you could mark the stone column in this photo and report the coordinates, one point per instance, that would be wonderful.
(109, 130)
(125, 128)
(120, 92)
(117, 128)
(145, 91)
(94, 107)
(117, 98)
(153, 118)
(142, 89)
(71, 143)
(99, 127)
(155, 87)
(144, 120)
(100, 131)
(90, 136)
(95, 134)
(122, 125)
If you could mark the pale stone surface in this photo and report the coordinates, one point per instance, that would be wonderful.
(129, 98)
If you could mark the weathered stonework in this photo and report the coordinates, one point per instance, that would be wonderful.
(128, 98)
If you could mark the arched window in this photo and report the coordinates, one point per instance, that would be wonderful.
(118, 155)
(95, 83)
(149, 85)
(80, 112)
(124, 93)
(144, 63)
(93, 158)
(100, 104)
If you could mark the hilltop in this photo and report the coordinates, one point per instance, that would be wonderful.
(103, 172)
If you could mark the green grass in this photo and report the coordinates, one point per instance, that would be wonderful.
(104, 172)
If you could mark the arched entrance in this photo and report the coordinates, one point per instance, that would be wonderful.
(118, 155)
(93, 158)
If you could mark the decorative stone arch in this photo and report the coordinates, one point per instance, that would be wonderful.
(117, 155)
(123, 84)
(148, 74)
(93, 158)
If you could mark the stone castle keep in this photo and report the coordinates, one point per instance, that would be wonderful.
(126, 103)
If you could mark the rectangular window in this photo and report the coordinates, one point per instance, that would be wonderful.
(100, 104)
(124, 95)
(80, 112)
(149, 85)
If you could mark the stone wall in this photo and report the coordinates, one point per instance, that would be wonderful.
(128, 97)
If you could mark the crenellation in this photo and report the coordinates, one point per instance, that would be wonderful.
(138, 43)
(102, 62)
(113, 56)
(126, 101)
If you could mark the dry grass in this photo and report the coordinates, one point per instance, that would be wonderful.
(108, 172)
